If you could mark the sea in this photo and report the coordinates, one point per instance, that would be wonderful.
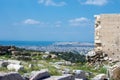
(32, 43)
(26, 43)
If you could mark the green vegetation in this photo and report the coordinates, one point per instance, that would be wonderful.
(72, 57)
(3, 69)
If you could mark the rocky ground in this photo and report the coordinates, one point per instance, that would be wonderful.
(20, 64)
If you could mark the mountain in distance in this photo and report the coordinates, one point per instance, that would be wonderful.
(73, 44)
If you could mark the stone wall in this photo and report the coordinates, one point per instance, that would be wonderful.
(107, 34)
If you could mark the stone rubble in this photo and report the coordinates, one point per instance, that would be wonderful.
(80, 74)
(96, 57)
(66, 63)
(39, 75)
(114, 71)
(15, 67)
(100, 77)
(14, 62)
(11, 76)
(3, 63)
(63, 77)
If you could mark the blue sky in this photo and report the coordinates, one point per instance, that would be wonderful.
(52, 20)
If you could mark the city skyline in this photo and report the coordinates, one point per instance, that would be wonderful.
(52, 20)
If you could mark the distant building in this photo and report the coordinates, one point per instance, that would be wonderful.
(107, 34)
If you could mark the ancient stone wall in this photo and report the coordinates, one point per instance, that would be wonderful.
(107, 34)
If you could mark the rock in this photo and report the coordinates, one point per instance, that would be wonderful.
(15, 67)
(94, 57)
(59, 63)
(106, 58)
(46, 56)
(39, 75)
(10, 76)
(100, 77)
(40, 65)
(11, 49)
(3, 63)
(53, 56)
(26, 58)
(89, 74)
(106, 66)
(26, 76)
(24, 53)
(91, 53)
(115, 60)
(68, 63)
(47, 52)
(114, 72)
(66, 71)
(80, 74)
(31, 66)
(78, 79)
(3, 52)
(15, 53)
(57, 66)
(14, 62)
(64, 77)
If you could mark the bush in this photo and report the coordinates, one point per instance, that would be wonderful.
(72, 57)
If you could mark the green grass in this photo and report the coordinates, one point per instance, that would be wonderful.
(5, 56)
(88, 68)
(3, 69)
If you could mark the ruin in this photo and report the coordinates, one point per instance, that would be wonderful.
(107, 35)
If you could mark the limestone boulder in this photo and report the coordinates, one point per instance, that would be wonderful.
(46, 56)
(25, 58)
(14, 62)
(78, 79)
(3, 63)
(39, 75)
(80, 74)
(31, 66)
(15, 67)
(15, 53)
(66, 71)
(53, 56)
(63, 77)
(91, 53)
(100, 77)
(67, 63)
(11, 76)
(59, 63)
(114, 72)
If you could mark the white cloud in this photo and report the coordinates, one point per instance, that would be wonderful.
(31, 21)
(51, 3)
(82, 21)
(58, 24)
(96, 2)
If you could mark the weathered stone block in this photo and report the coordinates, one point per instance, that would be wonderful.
(39, 75)
(10, 76)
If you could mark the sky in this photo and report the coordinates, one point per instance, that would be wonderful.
(52, 20)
